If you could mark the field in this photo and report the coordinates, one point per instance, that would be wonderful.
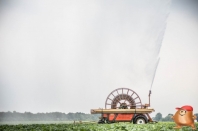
(163, 126)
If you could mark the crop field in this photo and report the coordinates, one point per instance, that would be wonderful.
(163, 126)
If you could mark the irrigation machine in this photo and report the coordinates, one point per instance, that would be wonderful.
(125, 105)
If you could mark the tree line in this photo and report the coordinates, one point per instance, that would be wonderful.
(158, 117)
(52, 116)
(58, 116)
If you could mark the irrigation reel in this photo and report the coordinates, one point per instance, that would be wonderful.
(123, 98)
(125, 105)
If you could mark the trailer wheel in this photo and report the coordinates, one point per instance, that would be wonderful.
(108, 122)
(101, 121)
(140, 119)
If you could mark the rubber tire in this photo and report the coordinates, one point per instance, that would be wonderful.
(101, 121)
(140, 117)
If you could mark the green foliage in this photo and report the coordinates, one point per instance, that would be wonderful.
(167, 118)
(163, 126)
(196, 116)
(158, 117)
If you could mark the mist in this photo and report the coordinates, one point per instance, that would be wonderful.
(67, 56)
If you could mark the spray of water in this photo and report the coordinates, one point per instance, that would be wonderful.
(77, 51)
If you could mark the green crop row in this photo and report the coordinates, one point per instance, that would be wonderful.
(163, 126)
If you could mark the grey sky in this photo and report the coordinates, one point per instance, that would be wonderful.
(67, 56)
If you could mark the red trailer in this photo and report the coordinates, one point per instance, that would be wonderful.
(124, 105)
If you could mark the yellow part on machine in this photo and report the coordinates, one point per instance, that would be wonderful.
(109, 111)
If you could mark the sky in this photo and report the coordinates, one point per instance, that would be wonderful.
(67, 56)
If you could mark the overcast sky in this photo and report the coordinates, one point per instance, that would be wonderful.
(67, 56)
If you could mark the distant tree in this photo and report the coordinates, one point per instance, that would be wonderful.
(167, 118)
(52, 116)
(158, 116)
(71, 116)
(196, 116)
(28, 116)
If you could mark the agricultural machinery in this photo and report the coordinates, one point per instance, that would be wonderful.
(124, 105)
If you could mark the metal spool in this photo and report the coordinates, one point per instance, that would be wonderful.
(123, 98)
